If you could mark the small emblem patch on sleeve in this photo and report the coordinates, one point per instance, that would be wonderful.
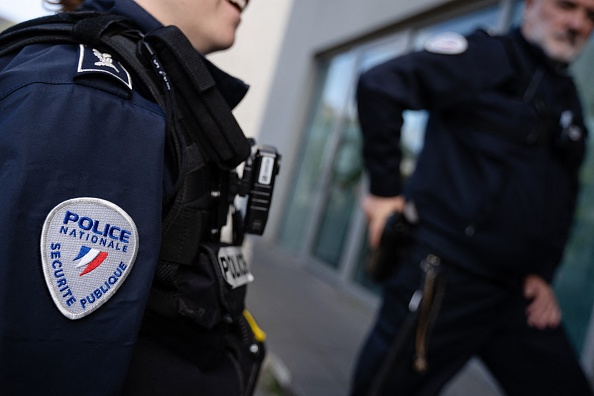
(88, 248)
(448, 43)
(93, 61)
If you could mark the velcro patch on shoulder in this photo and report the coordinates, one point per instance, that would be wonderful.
(448, 43)
(88, 248)
(92, 61)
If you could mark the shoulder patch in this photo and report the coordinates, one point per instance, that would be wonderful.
(448, 43)
(88, 248)
(93, 61)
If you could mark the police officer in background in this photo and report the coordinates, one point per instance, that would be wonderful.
(102, 290)
(488, 209)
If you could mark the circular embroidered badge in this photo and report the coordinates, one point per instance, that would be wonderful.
(88, 248)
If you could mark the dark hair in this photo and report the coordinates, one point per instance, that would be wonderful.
(64, 5)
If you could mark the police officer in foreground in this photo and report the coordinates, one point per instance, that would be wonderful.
(483, 220)
(117, 153)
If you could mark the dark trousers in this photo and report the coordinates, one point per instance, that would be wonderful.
(477, 317)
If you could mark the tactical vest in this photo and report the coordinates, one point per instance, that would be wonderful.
(203, 138)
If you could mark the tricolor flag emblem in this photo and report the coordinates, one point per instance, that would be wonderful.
(90, 259)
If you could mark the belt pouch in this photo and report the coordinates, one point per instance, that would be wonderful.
(204, 294)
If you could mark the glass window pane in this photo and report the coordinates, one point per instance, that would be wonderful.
(337, 74)
(346, 168)
(382, 51)
(342, 198)
(517, 13)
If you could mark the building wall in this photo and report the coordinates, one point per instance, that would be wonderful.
(254, 57)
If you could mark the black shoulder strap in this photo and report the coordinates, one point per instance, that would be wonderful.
(208, 117)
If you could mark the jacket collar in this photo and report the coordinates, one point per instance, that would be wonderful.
(537, 55)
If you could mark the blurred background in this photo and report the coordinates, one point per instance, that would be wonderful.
(19, 11)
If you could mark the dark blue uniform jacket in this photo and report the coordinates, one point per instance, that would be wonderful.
(496, 182)
(64, 134)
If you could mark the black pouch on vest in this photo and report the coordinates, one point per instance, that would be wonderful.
(395, 244)
(215, 286)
